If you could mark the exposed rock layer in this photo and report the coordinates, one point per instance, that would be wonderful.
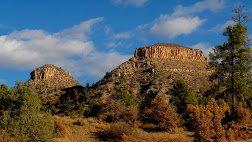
(169, 51)
(156, 67)
(49, 80)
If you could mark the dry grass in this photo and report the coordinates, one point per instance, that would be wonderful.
(86, 130)
(78, 129)
(5, 137)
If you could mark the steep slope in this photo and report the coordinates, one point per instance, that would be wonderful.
(49, 81)
(156, 67)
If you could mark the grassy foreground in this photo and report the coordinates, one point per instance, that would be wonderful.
(93, 130)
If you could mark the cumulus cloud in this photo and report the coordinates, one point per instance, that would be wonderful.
(212, 5)
(171, 26)
(182, 21)
(221, 27)
(130, 2)
(70, 48)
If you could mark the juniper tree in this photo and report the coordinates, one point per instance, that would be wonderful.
(232, 61)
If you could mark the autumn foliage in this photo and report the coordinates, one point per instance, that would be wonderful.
(219, 122)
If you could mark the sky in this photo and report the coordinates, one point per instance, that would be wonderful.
(91, 37)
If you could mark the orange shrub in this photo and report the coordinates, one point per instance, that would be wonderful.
(208, 121)
(219, 122)
(161, 113)
(5, 137)
(115, 133)
(60, 128)
(115, 111)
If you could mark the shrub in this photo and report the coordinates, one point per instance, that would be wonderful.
(71, 102)
(5, 137)
(219, 122)
(115, 111)
(182, 95)
(208, 119)
(116, 132)
(159, 111)
(236, 122)
(95, 108)
(126, 98)
(61, 130)
(120, 107)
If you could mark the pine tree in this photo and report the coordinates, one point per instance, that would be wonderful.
(232, 62)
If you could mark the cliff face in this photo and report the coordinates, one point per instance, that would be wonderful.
(156, 67)
(169, 51)
(49, 81)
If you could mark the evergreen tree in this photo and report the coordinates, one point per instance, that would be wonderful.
(182, 95)
(232, 62)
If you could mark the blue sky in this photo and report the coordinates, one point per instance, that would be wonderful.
(92, 37)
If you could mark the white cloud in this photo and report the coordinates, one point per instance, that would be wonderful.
(204, 47)
(100, 63)
(182, 21)
(212, 5)
(171, 26)
(29, 48)
(70, 48)
(80, 31)
(130, 2)
(221, 27)
(123, 35)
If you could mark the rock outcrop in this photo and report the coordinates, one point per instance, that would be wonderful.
(49, 81)
(156, 67)
(169, 51)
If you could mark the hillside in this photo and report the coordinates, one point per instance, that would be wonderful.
(49, 81)
(156, 67)
(157, 94)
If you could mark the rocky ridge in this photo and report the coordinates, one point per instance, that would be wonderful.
(49, 81)
(155, 67)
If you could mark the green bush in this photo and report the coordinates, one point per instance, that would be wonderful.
(21, 117)
(126, 98)
(182, 94)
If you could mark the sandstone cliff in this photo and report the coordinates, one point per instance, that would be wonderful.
(49, 81)
(169, 51)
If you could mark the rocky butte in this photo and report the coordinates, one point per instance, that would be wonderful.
(155, 67)
(49, 81)
(169, 51)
